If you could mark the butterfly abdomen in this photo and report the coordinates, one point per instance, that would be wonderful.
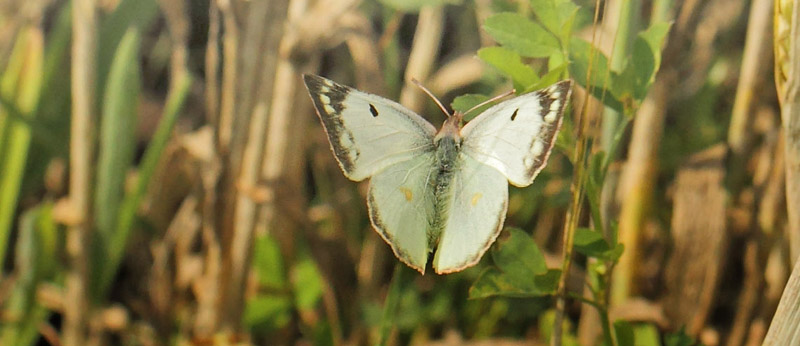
(446, 165)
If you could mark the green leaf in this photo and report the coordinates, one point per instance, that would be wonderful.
(20, 83)
(556, 15)
(307, 282)
(582, 54)
(268, 263)
(654, 37)
(546, 323)
(624, 332)
(127, 14)
(520, 270)
(36, 259)
(521, 35)
(117, 137)
(679, 338)
(416, 5)
(152, 155)
(640, 71)
(493, 282)
(465, 102)
(590, 243)
(510, 64)
(518, 255)
(646, 334)
(267, 312)
(554, 75)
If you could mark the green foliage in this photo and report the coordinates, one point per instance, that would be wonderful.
(520, 270)
(557, 16)
(510, 63)
(621, 91)
(130, 203)
(593, 244)
(624, 333)
(20, 85)
(679, 338)
(37, 262)
(117, 135)
(522, 35)
(546, 323)
(465, 102)
(271, 308)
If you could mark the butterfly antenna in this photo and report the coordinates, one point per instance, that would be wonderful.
(441, 106)
(510, 92)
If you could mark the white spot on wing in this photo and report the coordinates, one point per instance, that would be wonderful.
(551, 116)
(329, 109)
(324, 88)
(325, 99)
(327, 82)
(538, 148)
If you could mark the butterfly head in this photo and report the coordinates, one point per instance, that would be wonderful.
(451, 127)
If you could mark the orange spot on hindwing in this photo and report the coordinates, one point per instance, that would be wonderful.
(409, 195)
(475, 198)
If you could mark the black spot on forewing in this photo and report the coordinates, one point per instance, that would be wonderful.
(514, 116)
(328, 98)
(373, 110)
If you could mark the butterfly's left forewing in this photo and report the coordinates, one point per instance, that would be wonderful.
(367, 133)
(516, 136)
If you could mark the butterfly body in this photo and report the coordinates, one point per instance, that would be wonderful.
(445, 190)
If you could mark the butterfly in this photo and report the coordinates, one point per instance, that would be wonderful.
(445, 190)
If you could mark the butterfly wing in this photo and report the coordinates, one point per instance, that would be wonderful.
(516, 136)
(477, 209)
(367, 133)
(400, 206)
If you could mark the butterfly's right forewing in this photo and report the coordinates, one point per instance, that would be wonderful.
(367, 133)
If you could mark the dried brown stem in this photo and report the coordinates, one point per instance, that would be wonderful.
(82, 149)
(787, 79)
(755, 64)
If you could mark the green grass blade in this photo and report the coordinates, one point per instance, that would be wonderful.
(21, 82)
(117, 132)
(130, 204)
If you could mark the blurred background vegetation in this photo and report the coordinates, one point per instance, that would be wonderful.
(164, 180)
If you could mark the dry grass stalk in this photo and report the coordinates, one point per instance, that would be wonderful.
(230, 74)
(423, 55)
(787, 81)
(82, 149)
(755, 64)
(783, 329)
(247, 151)
(639, 176)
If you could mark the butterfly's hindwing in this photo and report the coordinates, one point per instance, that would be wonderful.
(476, 210)
(400, 205)
(367, 133)
(517, 136)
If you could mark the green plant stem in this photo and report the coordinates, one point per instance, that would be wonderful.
(627, 26)
(392, 302)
